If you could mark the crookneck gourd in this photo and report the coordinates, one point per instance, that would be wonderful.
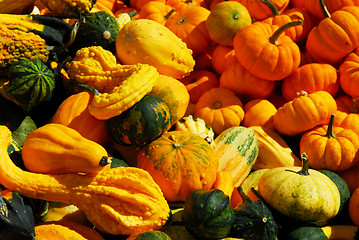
(119, 86)
(116, 200)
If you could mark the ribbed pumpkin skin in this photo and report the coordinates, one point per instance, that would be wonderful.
(237, 150)
(31, 82)
(312, 197)
(179, 162)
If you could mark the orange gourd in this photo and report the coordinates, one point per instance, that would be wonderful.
(223, 57)
(348, 71)
(224, 182)
(155, 10)
(351, 177)
(138, 4)
(220, 108)
(259, 11)
(259, 112)
(354, 207)
(347, 115)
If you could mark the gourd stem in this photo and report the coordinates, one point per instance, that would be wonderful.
(329, 133)
(132, 14)
(271, 7)
(281, 29)
(85, 87)
(324, 8)
(305, 165)
(104, 161)
(168, 15)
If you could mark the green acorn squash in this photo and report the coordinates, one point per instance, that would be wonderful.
(152, 235)
(16, 219)
(302, 231)
(208, 214)
(143, 122)
(30, 83)
(253, 220)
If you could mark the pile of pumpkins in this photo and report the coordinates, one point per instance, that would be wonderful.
(203, 119)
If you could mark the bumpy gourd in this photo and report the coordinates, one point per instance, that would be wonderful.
(16, 45)
(119, 86)
(147, 41)
(116, 200)
(55, 148)
(69, 8)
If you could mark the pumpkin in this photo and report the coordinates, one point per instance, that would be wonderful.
(253, 220)
(259, 10)
(300, 193)
(137, 4)
(335, 36)
(55, 148)
(265, 52)
(73, 112)
(147, 41)
(273, 150)
(330, 147)
(204, 59)
(259, 112)
(16, 218)
(208, 214)
(143, 122)
(304, 112)
(354, 206)
(189, 24)
(174, 93)
(347, 112)
(225, 20)
(244, 84)
(311, 77)
(222, 58)
(198, 82)
(39, 80)
(220, 108)
(157, 11)
(348, 74)
(179, 162)
(237, 151)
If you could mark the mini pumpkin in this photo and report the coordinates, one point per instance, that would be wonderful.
(223, 57)
(349, 74)
(259, 112)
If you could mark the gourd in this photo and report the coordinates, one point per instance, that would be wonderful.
(253, 220)
(20, 134)
(119, 86)
(30, 83)
(96, 29)
(155, 234)
(224, 182)
(340, 231)
(208, 214)
(149, 42)
(143, 122)
(273, 150)
(69, 8)
(16, 218)
(259, 112)
(300, 193)
(17, 44)
(179, 162)
(57, 149)
(302, 231)
(121, 200)
(237, 150)
(57, 230)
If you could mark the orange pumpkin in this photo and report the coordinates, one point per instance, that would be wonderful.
(354, 207)
(304, 112)
(311, 77)
(330, 147)
(349, 74)
(179, 4)
(223, 57)
(220, 108)
(73, 112)
(179, 162)
(351, 177)
(156, 11)
(188, 23)
(259, 10)
(204, 59)
(244, 84)
(265, 52)
(259, 112)
(199, 82)
(347, 115)
(138, 4)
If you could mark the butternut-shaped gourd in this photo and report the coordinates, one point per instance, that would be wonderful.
(122, 200)
(55, 148)
(147, 41)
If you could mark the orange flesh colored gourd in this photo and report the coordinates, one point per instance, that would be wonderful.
(122, 200)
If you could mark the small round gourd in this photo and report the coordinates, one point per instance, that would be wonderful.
(300, 193)
(155, 234)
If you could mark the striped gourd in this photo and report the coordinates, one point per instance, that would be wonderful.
(237, 150)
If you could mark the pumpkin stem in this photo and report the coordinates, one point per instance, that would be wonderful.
(301, 93)
(305, 165)
(85, 87)
(273, 39)
(168, 15)
(271, 7)
(104, 161)
(329, 133)
(132, 14)
(354, 108)
(324, 8)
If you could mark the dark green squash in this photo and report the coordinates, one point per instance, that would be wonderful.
(152, 235)
(302, 231)
(16, 219)
(253, 220)
(143, 122)
(96, 29)
(208, 214)
(30, 83)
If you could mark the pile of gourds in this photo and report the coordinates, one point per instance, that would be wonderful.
(154, 119)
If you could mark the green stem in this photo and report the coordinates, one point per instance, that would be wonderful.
(271, 7)
(281, 29)
(324, 8)
(329, 133)
(84, 87)
(305, 165)
(132, 14)
(168, 15)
